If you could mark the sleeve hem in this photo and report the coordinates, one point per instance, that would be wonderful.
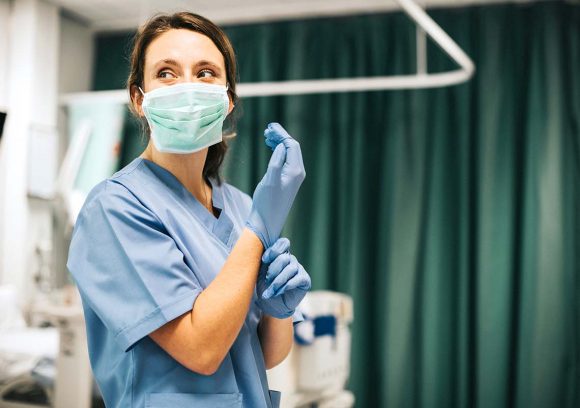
(163, 314)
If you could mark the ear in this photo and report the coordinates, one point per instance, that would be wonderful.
(231, 104)
(137, 100)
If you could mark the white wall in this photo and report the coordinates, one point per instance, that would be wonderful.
(4, 31)
(76, 56)
(4, 28)
(31, 68)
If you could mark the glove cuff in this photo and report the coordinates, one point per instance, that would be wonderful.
(258, 234)
(279, 315)
(257, 225)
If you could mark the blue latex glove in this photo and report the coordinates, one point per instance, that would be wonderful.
(276, 191)
(282, 281)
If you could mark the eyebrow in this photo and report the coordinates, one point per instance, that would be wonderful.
(173, 62)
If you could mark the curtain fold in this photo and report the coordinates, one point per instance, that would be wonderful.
(449, 215)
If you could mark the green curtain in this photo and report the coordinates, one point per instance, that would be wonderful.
(449, 215)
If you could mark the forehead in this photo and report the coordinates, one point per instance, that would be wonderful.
(185, 46)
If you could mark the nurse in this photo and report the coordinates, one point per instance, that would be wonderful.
(188, 292)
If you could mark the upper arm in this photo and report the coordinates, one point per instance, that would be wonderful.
(128, 270)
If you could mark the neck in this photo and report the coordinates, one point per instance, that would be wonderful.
(187, 168)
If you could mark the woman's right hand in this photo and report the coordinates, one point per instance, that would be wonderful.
(277, 190)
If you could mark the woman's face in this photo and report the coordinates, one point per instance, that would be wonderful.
(179, 56)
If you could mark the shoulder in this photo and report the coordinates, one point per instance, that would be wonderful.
(134, 175)
(112, 201)
(121, 187)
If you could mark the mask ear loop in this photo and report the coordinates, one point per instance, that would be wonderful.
(143, 93)
(227, 89)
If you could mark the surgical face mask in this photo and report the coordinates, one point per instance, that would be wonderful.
(186, 117)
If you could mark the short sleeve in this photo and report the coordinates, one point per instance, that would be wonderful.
(128, 270)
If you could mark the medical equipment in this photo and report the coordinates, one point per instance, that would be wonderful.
(21, 352)
(72, 199)
(60, 370)
(317, 369)
(50, 360)
(186, 117)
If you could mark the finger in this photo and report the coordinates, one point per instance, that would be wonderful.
(275, 134)
(269, 142)
(272, 138)
(282, 279)
(277, 160)
(300, 281)
(280, 246)
(293, 154)
(277, 266)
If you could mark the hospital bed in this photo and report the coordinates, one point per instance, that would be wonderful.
(45, 364)
(25, 356)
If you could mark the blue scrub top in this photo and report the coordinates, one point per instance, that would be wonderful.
(142, 250)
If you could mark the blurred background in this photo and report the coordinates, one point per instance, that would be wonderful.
(450, 216)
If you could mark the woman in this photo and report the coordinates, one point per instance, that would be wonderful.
(189, 295)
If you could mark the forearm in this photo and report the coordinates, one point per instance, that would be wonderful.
(220, 310)
(201, 338)
(276, 338)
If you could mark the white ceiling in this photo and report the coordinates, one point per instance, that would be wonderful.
(107, 15)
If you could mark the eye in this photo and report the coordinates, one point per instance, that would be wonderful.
(205, 73)
(166, 74)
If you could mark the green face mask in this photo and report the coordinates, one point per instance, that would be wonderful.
(186, 117)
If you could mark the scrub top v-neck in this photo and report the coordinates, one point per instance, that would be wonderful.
(142, 250)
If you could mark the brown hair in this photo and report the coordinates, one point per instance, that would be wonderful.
(160, 24)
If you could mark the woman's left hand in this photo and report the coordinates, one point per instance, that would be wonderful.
(282, 281)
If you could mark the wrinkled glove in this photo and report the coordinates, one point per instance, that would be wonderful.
(274, 195)
(282, 281)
